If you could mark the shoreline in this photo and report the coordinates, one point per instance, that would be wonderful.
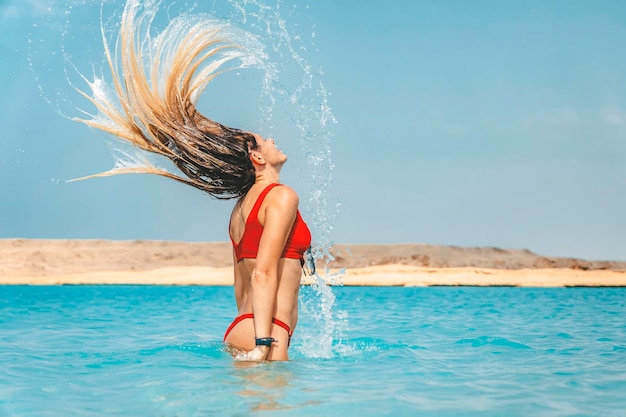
(376, 276)
(144, 262)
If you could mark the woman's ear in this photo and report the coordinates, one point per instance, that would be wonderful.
(257, 158)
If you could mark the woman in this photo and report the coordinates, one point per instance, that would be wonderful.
(156, 111)
(269, 240)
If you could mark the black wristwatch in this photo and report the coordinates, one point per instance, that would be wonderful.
(264, 341)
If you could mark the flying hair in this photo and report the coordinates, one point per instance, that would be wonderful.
(151, 104)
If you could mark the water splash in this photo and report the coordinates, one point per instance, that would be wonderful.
(292, 98)
(292, 85)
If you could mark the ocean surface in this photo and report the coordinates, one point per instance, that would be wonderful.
(438, 351)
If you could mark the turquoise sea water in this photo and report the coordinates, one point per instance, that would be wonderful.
(157, 351)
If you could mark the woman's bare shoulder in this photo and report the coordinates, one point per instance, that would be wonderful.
(284, 196)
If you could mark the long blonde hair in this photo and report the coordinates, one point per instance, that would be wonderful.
(156, 83)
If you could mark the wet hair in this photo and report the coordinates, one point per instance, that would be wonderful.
(156, 83)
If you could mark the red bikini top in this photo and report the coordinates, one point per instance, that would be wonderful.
(298, 242)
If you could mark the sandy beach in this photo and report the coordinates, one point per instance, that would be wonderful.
(73, 262)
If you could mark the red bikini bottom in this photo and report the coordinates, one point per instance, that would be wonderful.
(277, 322)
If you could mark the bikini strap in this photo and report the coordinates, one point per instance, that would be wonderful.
(254, 213)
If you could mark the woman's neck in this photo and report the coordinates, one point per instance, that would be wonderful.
(267, 177)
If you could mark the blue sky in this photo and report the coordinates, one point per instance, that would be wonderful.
(469, 123)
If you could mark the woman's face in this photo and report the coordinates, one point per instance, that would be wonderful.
(267, 148)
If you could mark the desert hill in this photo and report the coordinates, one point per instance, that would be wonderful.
(40, 257)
